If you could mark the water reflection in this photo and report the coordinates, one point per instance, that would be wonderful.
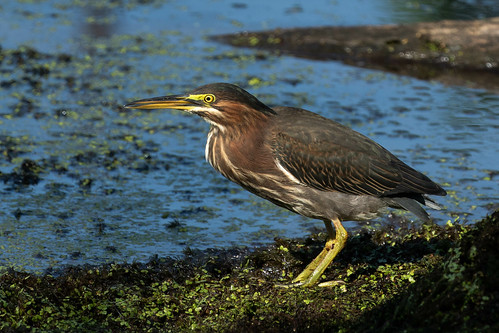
(429, 10)
(98, 21)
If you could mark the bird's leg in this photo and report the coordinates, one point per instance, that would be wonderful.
(339, 244)
(334, 244)
(309, 270)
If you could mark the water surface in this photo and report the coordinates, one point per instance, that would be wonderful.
(122, 185)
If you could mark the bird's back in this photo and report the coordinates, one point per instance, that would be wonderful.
(331, 156)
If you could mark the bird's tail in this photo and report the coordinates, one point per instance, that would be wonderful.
(413, 206)
(430, 203)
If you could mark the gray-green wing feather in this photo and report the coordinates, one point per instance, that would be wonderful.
(331, 157)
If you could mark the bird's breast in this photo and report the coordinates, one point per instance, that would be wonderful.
(252, 167)
(244, 159)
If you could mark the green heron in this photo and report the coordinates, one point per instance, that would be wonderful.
(301, 161)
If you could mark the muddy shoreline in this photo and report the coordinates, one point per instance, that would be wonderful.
(398, 277)
(452, 52)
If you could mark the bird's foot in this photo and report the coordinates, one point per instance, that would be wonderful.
(310, 284)
(333, 283)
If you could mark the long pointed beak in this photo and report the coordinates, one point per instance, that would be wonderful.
(179, 102)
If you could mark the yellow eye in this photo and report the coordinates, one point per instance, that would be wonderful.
(209, 98)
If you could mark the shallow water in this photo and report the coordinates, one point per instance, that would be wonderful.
(123, 186)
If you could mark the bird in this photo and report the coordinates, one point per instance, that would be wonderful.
(302, 161)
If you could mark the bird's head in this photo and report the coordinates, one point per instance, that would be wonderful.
(223, 105)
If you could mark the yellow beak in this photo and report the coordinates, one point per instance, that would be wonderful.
(179, 102)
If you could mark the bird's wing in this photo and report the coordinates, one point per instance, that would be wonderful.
(331, 157)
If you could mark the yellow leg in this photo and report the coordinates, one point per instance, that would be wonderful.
(312, 273)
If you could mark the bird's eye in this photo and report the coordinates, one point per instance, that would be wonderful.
(209, 98)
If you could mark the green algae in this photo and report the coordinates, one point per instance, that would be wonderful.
(402, 278)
